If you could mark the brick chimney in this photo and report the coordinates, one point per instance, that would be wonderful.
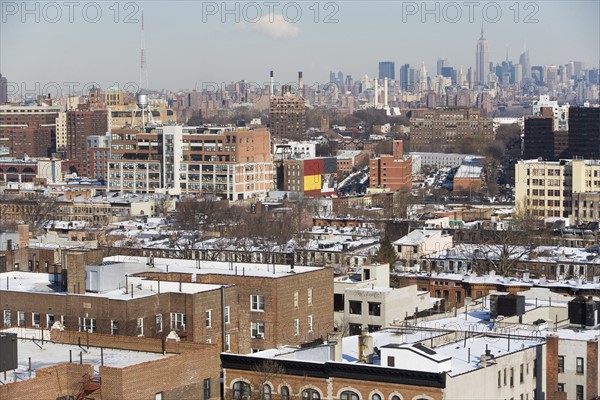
(398, 149)
(75, 265)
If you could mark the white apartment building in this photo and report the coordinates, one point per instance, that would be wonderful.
(550, 189)
(560, 114)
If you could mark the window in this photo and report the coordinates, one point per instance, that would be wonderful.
(296, 327)
(21, 318)
(310, 323)
(338, 302)
(140, 326)
(355, 307)
(579, 365)
(561, 387)
(375, 309)
(49, 320)
(285, 393)
(114, 327)
(257, 330)
(206, 388)
(561, 363)
(266, 392)
(512, 377)
(310, 394)
(158, 322)
(178, 321)
(348, 395)
(158, 396)
(227, 343)
(7, 318)
(504, 378)
(309, 296)
(241, 390)
(296, 299)
(257, 302)
(395, 397)
(87, 325)
(375, 397)
(391, 362)
(35, 319)
(499, 379)
(579, 392)
(227, 314)
(208, 318)
(522, 374)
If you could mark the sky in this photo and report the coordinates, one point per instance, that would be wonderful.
(196, 44)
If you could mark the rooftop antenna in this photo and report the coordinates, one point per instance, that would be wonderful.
(143, 61)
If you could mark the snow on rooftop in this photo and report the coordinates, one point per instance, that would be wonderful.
(49, 354)
(218, 267)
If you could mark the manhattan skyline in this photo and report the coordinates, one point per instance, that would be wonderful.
(187, 43)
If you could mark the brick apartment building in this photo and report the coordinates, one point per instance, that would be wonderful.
(311, 176)
(391, 172)
(234, 163)
(545, 138)
(287, 116)
(110, 368)
(81, 124)
(246, 308)
(29, 130)
(439, 129)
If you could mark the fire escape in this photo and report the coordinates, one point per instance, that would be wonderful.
(89, 385)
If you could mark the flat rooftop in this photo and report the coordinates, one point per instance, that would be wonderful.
(49, 354)
(458, 351)
(218, 267)
(32, 282)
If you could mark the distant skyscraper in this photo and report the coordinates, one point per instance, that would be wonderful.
(404, 76)
(526, 64)
(387, 70)
(423, 79)
(441, 63)
(460, 77)
(3, 90)
(482, 60)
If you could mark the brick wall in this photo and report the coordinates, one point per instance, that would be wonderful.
(75, 263)
(279, 313)
(48, 384)
(177, 377)
(552, 392)
(591, 377)
(125, 342)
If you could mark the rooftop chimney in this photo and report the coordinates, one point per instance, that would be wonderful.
(75, 264)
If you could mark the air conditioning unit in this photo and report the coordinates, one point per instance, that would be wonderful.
(260, 336)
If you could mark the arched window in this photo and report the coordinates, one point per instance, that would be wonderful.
(310, 394)
(241, 391)
(375, 397)
(266, 392)
(395, 398)
(348, 395)
(285, 393)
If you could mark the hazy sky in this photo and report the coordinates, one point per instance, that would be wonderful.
(191, 43)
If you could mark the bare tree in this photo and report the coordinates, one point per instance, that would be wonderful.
(502, 249)
(41, 209)
(162, 205)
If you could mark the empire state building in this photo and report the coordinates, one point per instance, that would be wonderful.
(482, 64)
